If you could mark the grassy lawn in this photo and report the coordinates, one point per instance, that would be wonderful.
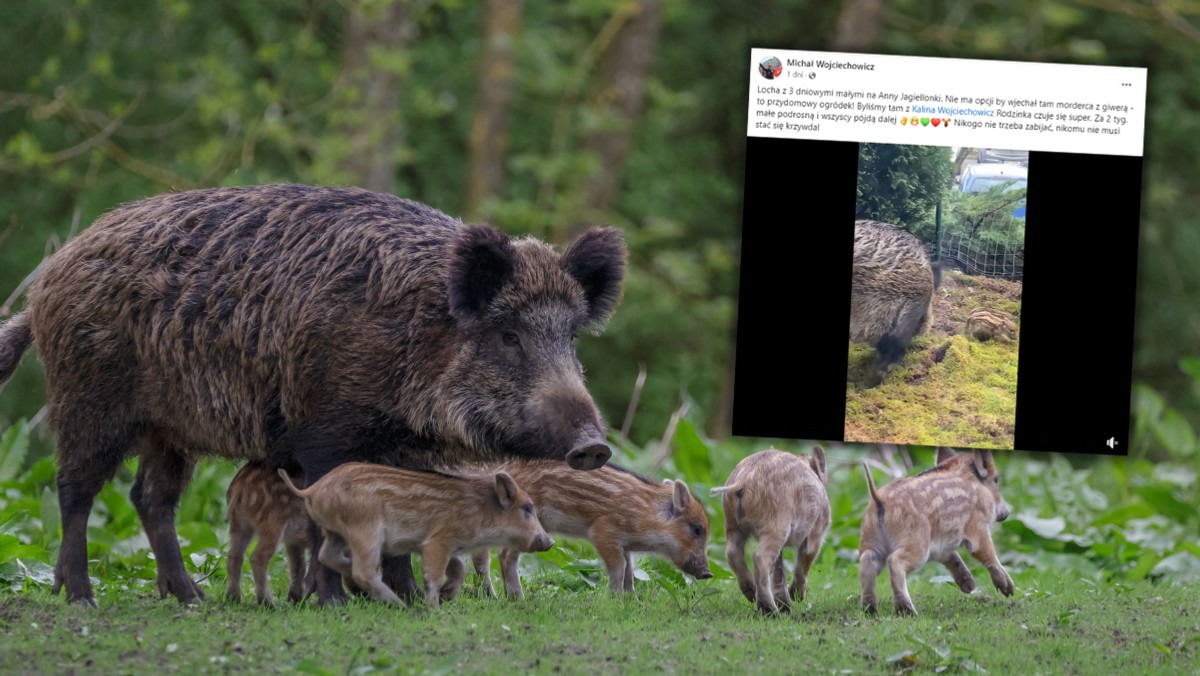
(1052, 625)
(950, 390)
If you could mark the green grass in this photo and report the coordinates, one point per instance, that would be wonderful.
(950, 390)
(1054, 624)
(1101, 550)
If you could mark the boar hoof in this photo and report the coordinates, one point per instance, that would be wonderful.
(905, 608)
(187, 592)
(749, 592)
(85, 601)
(332, 602)
(768, 609)
(870, 608)
(1006, 586)
(798, 593)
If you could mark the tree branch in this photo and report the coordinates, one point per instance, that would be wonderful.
(80, 148)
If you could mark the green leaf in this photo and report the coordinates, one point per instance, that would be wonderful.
(51, 520)
(38, 572)
(11, 548)
(1163, 500)
(1122, 515)
(942, 653)
(1146, 563)
(906, 658)
(14, 522)
(1148, 407)
(1183, 567)
(13, 446)
(1190, 366)
(558, 556)
(691, 454)
(1175, 433)
(1049, 528)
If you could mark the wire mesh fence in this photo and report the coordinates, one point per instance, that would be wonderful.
(994, 248)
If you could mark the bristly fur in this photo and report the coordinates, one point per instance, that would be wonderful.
(641, 477)
(891, 298)
(306, 326)
(619, 511)
(369, 510)
(779, 499)
(15, 337)
(259, 504)
(928, 517)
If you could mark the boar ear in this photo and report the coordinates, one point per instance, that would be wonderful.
(943, 454)
(597, 261)
(818, 461)
(506, 489)
(681, 497)
(481, 261)
(982, 463)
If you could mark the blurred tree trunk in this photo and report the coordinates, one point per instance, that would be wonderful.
(720, 422)
(369, 117)
(617, 103)
(858, 25)
(489, 131)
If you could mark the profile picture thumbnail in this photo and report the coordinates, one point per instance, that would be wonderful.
(770, 67)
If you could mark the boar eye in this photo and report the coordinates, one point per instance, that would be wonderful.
(527, 509)
(697, 531)
(511, 339)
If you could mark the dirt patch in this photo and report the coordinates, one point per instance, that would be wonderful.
(959, 294)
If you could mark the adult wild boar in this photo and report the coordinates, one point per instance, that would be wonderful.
(891, 297)
(305, 326)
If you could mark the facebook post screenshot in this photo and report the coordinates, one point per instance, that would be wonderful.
(939, 251)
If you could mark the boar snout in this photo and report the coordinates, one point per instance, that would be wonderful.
(1002, 511)
(697, 567)
(541, 543)
(590, 451)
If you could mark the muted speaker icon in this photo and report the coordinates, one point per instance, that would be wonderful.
(1112, 442)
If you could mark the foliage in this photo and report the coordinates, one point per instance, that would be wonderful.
(223, 93)
(901, 184)
(986, 216)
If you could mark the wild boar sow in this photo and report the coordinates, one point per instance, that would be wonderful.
(308, 327)
(891, 292)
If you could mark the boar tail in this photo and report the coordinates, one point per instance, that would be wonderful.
(291, 486)
(721, 490)
(871, 489)
(15, 338)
